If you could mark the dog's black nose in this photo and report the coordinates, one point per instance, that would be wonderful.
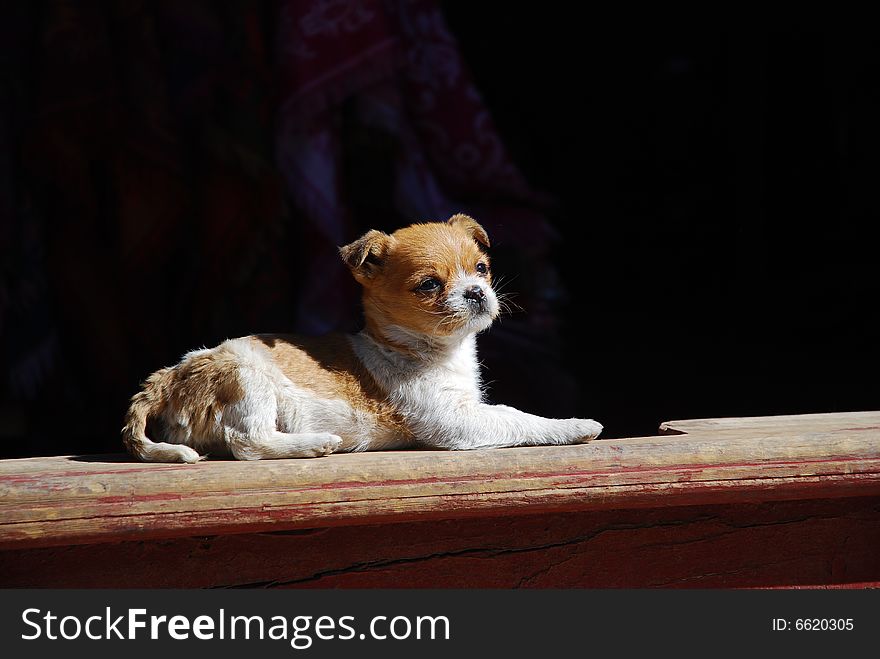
(475, 293)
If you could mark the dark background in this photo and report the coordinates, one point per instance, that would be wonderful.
(715, 202)
(720, 208)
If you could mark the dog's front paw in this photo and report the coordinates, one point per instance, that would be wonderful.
(323, 443)
(327, 444)
(586, 430)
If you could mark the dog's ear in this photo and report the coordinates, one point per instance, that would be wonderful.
(366, 255)
(473, 227)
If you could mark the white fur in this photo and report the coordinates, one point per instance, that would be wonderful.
(458, 305)
(439, 395)
(438, 392)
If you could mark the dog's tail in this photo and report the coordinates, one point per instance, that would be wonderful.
(145, 404)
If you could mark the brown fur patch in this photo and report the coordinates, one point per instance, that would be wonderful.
(328, 367)
(187, 396)
(195, 391)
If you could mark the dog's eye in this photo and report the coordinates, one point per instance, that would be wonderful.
(482, 268)
(429, 284)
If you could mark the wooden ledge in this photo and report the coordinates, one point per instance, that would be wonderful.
(81, 500)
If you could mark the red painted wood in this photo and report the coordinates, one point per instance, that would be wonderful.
(815, 544)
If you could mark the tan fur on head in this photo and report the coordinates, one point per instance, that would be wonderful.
(365, 256)
(392, 270)
(473, 227)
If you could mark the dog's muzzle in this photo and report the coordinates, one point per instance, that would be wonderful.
(476, 298)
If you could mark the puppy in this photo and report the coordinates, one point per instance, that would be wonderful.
(410, 378)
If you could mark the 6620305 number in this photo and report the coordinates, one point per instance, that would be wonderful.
(823, 624)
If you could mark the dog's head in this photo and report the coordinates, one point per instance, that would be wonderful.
(425, 280)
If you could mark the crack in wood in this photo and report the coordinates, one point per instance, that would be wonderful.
(486, 552)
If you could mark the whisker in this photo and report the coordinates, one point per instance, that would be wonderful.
(503, 281)
(507, 305)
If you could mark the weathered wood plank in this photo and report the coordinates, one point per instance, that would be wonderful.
(65, 500)
(777, 425)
